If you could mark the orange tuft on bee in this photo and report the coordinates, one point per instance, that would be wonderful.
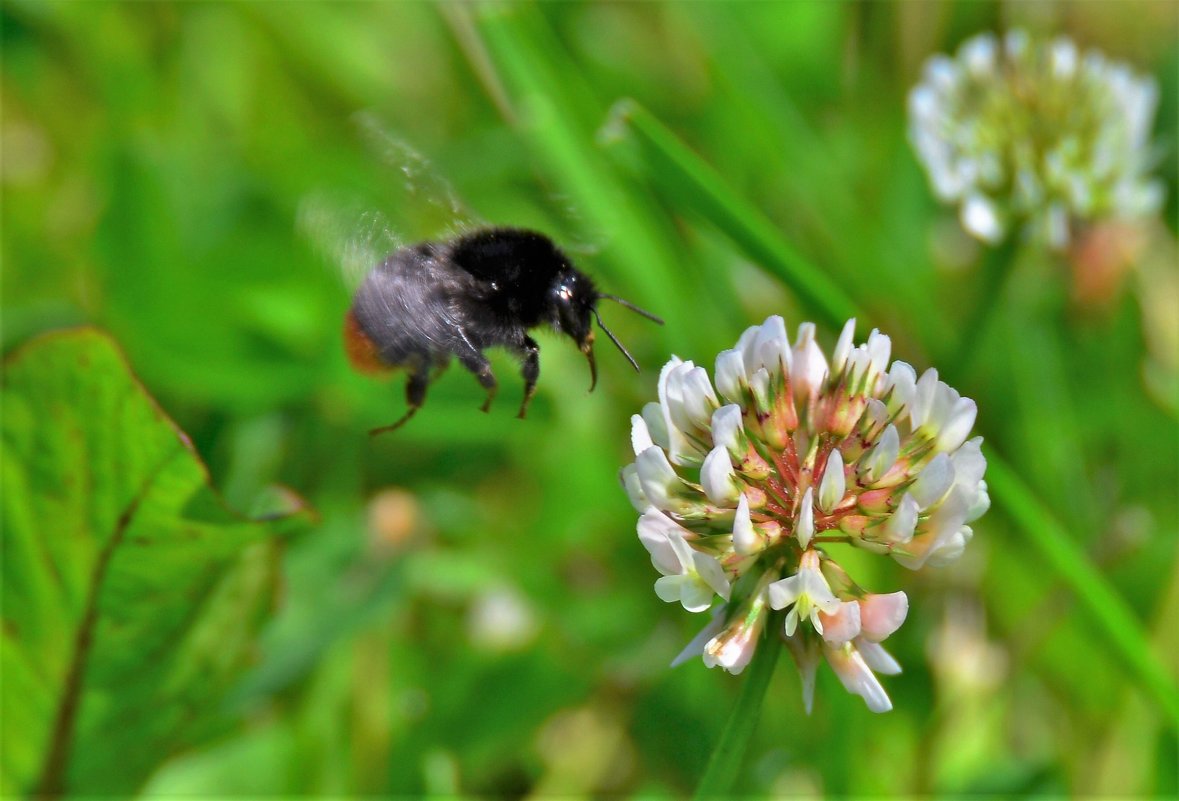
(430, 302)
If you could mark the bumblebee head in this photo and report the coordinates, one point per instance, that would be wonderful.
(576, 301)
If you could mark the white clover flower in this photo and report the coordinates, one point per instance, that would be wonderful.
(740, 486)
(688, 576)
(806, 593)
(1021, 133)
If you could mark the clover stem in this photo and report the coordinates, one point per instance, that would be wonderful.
(729, 755)
(996, 267)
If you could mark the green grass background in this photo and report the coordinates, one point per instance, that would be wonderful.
(155, 161)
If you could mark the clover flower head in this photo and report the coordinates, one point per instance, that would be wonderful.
(1020, 133)
(741, 485)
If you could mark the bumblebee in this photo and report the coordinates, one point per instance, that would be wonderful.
(433, 301)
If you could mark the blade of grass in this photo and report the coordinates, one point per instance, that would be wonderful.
(700, 188)
(1049, 446)
(1105, 607)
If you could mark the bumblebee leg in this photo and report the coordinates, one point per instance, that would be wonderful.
(415, 396)
(478, 364)
(530, 370)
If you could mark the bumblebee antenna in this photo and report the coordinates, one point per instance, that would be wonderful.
(614, 339)
(633, 308)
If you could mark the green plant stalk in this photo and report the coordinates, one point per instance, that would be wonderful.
(1105, 607)
(698, 185)
(729, 754)
(996, 266)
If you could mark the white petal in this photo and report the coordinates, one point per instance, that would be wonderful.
(882, 456)
(978, 54)
(759, 385)
(745, 539)
(902, 380)
(936, 399)
(878, 659)
(858, 363)
(843, 346)
(932, 482)
(982, 502)
(683, 552)
(747, 347)
(814, 586)
(881, 615)
(656, 424)
(718, 479)
(922, 103)
(771, 346)
(804, 526)
(980, 216)
(699, 399)
(665, 376)
(784, 592)
(957, 426)
(640, 436)
(673, 395)
(843, 625)
(879, 350)
(696, 594)
(809, 370)
(833, 485)
(670, 588)
(942, 531)
(855, 675)
(728, 431)
(712, 574)
(900, 527)
(681, 450)
(875, 415)
(950, 548)
(731, 377)
(1064, 57)
(655, 529)
(941, 72)
(732, 652)
(791, 621)
(657, 478)
(969, 464)
(924, 394)
(634, 488)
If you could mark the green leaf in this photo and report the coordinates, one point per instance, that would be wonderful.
(131, 594)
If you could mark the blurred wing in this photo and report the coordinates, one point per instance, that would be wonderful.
(347, 236)
(353, 231)
(426, 197)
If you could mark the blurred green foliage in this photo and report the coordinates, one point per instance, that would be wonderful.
(473, 614)
(132, 596)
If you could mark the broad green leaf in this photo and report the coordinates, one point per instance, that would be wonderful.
(131, 594)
